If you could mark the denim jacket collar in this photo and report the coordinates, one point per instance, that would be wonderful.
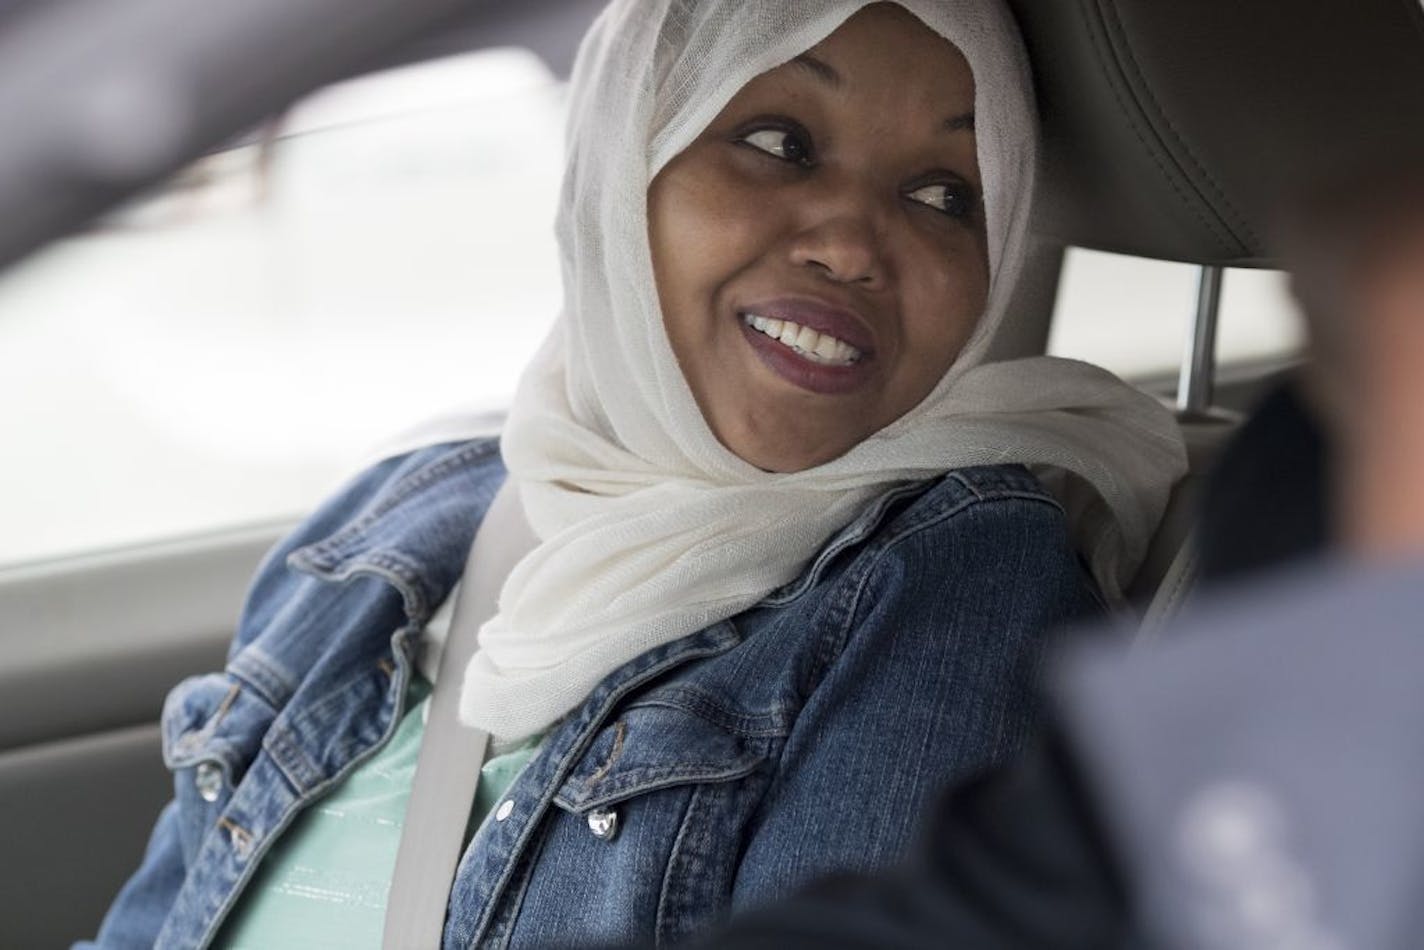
(418, 537)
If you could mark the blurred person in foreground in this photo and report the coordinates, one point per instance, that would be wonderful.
(1251, 780)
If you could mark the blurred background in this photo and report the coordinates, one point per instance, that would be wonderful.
(224, 350)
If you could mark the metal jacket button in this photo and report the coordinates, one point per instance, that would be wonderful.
(603, 822)
(209, 781)
(506, 808)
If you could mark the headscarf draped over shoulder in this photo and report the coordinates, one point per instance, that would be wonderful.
(649, 528)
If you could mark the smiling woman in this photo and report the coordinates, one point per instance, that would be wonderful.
(820, 248)
(789, 535)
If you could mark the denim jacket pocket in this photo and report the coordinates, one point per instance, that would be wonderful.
(651, 747)
(209, 739)
(644, 830)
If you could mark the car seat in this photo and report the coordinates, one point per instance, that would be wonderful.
(1175, 130)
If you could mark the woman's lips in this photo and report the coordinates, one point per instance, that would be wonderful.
(811, 345)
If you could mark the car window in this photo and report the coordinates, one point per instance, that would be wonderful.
(227, 348)
(1132, 315)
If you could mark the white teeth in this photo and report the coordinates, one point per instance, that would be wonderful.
(808, 339)
(768, 325)
(817, 347)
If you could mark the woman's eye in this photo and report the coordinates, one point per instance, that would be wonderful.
(784, 144)
(955, 200)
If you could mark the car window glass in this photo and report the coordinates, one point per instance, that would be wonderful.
(226, 349)
(1132, 315)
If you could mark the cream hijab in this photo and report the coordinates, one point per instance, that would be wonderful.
(649, 529)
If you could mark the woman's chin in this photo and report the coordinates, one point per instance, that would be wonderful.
(788, 453)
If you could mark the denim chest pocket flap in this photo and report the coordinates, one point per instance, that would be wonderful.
(210, 720)
(653, 746)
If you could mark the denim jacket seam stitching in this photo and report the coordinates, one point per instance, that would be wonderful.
(560, 775)
(830, 650)
(877, 555)
(859, 577)
(693, 700)
(860, 531)
(966, 484)
(502, 928)
(337, 699)
(473, 451)
(313, 716)
(175, 738)
(877, 524)
(262, 675)
(829, 636)
(398, 565)
(269, 838)
(986, 484)
(1028, 490)
(303, 797)
(620, 733)
(205, 730)
(208, 748)
(660, 916)
(651, 778)
(221, 904)
(404, 577)
(566, 765)
(289, 758)
(924, 521)
(333, 546)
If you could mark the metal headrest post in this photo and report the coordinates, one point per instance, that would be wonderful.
(1196, 384)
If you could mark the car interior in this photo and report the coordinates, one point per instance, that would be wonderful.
(1171, 131)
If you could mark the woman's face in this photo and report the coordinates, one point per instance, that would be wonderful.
(819, 249)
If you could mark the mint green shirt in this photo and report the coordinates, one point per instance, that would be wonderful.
(324, 883)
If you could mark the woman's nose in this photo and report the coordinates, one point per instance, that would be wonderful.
(843, 239)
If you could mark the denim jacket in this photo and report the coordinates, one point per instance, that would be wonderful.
(709, 774)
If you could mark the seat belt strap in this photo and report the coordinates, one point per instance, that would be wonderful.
(447, 770)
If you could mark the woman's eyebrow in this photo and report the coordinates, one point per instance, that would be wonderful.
(827, 74)
(822, 71)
